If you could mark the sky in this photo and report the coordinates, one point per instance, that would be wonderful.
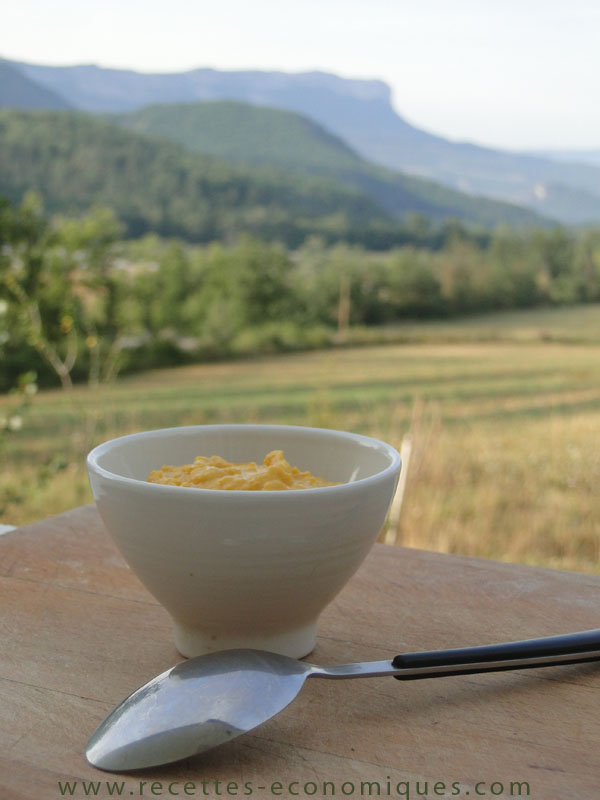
(516, 74)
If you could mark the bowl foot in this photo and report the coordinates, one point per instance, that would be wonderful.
(295, 643)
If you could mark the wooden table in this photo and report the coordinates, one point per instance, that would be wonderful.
(79, 632)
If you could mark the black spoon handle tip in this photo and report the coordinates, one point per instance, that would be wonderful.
(547, 651)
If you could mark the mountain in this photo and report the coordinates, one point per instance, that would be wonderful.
(76, 161)
(358, 111)
(19, 91)
(260, 136)
(565, 191)
(314, 94)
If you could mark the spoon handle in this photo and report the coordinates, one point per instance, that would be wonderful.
(572, 648)
(550, 651)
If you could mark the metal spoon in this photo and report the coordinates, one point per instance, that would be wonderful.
(211, 699)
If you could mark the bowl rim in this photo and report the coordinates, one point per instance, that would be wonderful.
(94, 454)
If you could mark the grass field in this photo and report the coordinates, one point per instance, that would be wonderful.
(503, 412)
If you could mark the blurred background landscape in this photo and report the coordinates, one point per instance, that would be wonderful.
(218, 244)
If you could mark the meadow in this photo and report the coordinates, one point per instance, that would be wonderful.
(502, 412)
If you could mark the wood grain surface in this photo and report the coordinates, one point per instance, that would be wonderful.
(79, 633)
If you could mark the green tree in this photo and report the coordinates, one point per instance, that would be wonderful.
(62, 280)
(415, 287)
(84, 264)
(28, 238)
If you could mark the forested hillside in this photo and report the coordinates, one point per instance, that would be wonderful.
(75, 161)
(255, 135)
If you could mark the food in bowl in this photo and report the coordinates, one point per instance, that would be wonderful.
(214, 472)
(237, 568)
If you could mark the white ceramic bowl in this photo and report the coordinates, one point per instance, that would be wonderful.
(244, 568)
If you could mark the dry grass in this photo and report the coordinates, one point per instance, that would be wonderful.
(522, 492)
(505, 461)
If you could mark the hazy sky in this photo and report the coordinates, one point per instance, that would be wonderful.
(510, 73)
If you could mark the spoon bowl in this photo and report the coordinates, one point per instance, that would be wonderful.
(210, 700)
